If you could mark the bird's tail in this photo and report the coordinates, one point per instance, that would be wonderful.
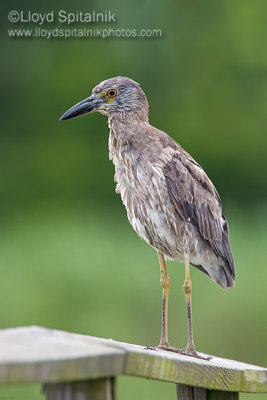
(221, 274)
(224, 277)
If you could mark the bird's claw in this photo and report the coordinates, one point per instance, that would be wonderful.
(185, 352)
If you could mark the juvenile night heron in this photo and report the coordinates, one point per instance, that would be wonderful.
(170, 201)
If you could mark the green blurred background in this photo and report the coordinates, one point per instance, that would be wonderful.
(69, 258)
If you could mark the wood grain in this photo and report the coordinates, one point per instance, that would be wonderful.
(35, 354)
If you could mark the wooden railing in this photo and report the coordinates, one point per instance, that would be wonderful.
(78, 367)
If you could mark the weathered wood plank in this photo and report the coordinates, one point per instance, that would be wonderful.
(37, 354)
(34, 354)
(217, 373)
(98, 389)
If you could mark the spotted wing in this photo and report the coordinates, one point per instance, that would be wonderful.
(196, 200)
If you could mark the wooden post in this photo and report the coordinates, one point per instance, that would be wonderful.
(185, 392)
(97, 389)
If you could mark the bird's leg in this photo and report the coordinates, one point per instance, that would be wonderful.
(165, 283)
(187, 288)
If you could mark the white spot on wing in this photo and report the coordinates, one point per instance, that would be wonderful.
(223, 222)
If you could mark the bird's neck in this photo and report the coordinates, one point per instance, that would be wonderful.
(126, 136)
(129, 117)
(127, 127)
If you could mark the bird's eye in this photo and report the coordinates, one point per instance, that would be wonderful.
(111, 92)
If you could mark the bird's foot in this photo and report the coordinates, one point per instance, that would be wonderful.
(193, 353)
(185, 352)
(164, 346)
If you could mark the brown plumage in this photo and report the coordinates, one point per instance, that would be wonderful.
(170, 201)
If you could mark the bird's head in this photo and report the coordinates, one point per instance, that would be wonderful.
(115, 95)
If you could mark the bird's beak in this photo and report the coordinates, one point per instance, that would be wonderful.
(84, 107)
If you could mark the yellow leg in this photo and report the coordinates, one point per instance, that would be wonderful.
(165, 283)
(187, 287)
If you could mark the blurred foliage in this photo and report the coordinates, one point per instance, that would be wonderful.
(206, 81)
(65, 243)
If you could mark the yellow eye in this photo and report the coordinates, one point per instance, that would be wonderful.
(111, 92)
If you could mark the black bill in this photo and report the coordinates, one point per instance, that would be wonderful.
(84, 107)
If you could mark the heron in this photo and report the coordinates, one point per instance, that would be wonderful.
(170, 201)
